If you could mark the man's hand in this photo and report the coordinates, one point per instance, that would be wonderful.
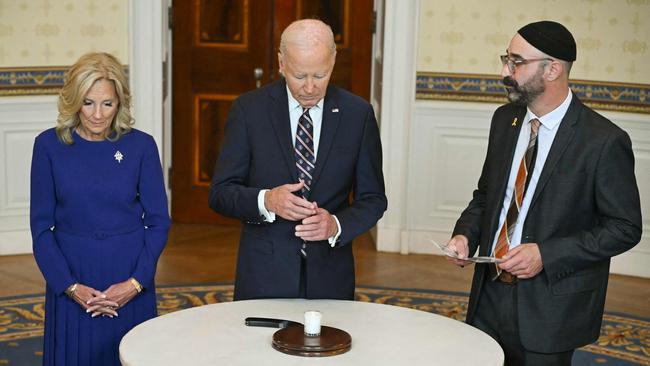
(281, 201)
(460, 245)
(524, 261)
(320, 226)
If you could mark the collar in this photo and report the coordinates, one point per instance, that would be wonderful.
(551, 119)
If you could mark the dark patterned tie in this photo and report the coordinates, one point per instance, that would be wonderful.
(304, 151)
(525, 170)
(305, 158)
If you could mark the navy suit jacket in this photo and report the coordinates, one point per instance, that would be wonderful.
(257, 154)
(585, 210)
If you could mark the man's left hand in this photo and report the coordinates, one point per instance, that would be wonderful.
(524, 261)
(320, 226)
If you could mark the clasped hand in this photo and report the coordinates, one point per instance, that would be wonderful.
(316, 223)
(104, 302)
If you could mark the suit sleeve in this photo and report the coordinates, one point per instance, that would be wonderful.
(369, 198)
(47, 253)
(617, 225)
(470, 221)
(151, 188)
(229, 193)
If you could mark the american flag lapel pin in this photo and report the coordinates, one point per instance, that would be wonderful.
(514, 121)
(335, 110)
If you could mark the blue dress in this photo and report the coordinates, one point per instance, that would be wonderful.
(98, 216)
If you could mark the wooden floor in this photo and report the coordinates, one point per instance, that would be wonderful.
(201, 253)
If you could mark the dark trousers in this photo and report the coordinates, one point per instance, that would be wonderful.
(496, 315)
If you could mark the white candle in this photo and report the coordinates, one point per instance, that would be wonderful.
(312, 323)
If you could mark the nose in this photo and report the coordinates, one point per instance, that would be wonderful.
(309, 86)
(505, 71)
(97, 113)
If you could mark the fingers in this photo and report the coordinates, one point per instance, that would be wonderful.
(120, 293)
(97, 293)
(523, 261)
(321, 226)
(97, 301)
(103, 311)
(283, 202)
(459, 246)
(295, 187)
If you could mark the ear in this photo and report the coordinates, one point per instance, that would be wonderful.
(281, 63)
(555, 70)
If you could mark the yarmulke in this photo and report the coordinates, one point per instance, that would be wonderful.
(552, 38)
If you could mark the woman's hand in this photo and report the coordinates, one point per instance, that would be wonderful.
(121, 293)
(94, 301)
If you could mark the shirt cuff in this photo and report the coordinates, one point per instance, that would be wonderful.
(333, 239)
(268, 215)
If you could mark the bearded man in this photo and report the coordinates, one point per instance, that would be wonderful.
(556, 199)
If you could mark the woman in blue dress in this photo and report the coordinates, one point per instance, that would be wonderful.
(98, 215)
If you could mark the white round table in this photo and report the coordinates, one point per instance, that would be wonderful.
(381, 335)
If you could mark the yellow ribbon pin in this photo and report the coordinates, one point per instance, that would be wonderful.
(514, 121)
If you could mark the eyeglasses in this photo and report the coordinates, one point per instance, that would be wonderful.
(513, 63)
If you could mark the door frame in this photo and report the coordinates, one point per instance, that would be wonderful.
(149, 62)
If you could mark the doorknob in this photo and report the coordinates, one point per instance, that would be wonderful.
(258, 73)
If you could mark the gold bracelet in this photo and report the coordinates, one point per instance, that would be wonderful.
(136, 284)
(70, 290)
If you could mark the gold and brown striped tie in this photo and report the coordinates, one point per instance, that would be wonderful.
(523, 174)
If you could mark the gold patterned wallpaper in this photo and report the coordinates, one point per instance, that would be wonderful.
(466, 36)
(460, 41)
(57, 32)
(40, 39)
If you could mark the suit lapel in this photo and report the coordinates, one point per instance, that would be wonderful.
(564, 135)
(279, 112)
(329, 125)
(510, 135)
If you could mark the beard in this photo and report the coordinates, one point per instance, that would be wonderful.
(525, 94)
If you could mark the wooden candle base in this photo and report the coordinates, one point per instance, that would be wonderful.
(293, 341)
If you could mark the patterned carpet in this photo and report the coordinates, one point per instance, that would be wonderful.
(624, 340)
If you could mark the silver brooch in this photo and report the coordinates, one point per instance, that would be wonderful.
(118, 156)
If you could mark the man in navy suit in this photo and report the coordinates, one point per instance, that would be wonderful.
(301, 167)
(555, 216)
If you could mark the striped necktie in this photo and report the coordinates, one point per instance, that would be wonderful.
(521, 183)
(305, 157)
(304, 151)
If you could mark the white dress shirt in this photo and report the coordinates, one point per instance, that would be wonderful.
(316, 115)
(549, 124)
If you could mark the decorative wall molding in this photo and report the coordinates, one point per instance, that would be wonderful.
(34, 80)
(21, 120)
(489, 88)
(31, 81)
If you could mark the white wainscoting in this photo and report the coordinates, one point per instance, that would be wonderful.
(446, 148)
(21, 120)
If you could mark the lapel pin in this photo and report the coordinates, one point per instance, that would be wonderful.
(335, 110)
(118, 156)
(514, 121)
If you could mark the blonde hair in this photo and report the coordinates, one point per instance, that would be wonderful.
(78, 81)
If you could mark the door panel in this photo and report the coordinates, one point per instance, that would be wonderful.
(217, 45)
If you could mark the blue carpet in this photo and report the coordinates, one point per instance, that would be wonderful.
(624, 340)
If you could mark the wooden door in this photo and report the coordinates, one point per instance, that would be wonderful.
(218, 45)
